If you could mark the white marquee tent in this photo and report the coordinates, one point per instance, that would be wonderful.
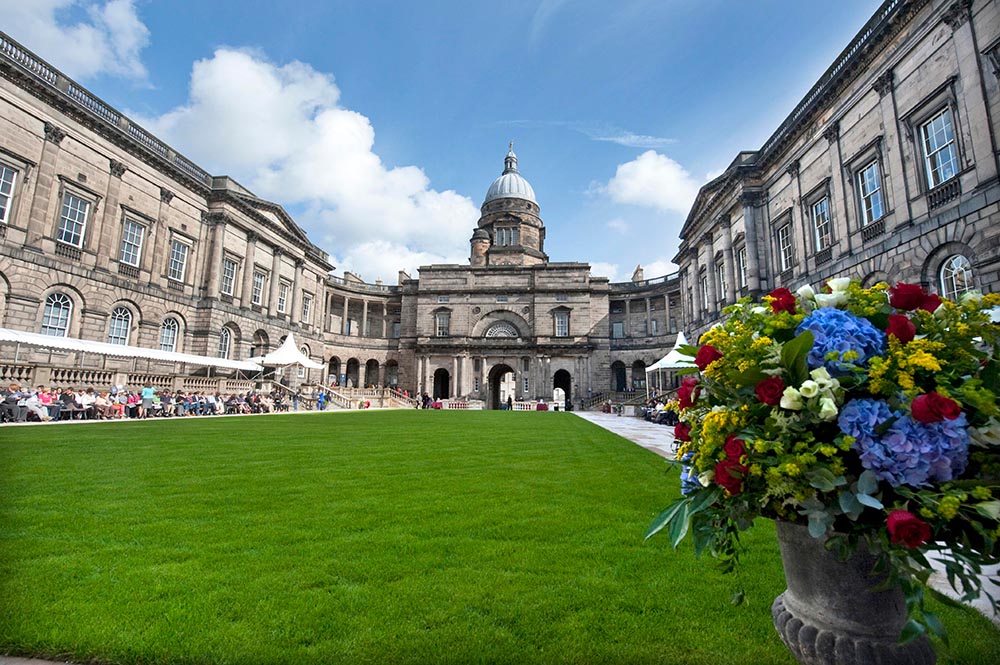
(673, 360)
(288, 354)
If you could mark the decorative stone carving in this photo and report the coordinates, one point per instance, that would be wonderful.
(166, 195)
(753, 199)
(793, 169)
(53, 133)
(213, 218)
(832, 132)
(883, 84)
(957, 14)
(252, 236)
(118, 169)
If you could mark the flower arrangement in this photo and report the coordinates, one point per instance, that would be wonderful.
(864, 413)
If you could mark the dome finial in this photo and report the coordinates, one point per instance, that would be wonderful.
(510, 162)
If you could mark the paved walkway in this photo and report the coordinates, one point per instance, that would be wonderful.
(660, 439)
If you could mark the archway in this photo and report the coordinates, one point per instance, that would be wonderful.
(335, 377)
(353, 370)
(371, 373)
(442, 384)
(618, 378)
(392, 373)
(638, 375)
(562, 381)
(261, 342)
(502, 385)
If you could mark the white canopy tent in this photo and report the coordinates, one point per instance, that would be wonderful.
(288, 354)
(84, 346)
(673, 360)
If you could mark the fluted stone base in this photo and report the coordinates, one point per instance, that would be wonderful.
(830, 614)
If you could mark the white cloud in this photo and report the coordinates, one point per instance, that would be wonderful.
(618, 225)
(631, 140)
(655, 181)
(109, 41)
(603, 269)
(659, 268)
(294, 144)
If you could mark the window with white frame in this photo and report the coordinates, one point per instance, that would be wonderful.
(956, 277)
(119, 326)
(307, 301)
(168, 334)
(562, 324)
(178, 260)
(617, 329)
(55, 317)
(653, 327)
(442, 322)
(257, 288)
(225, 342)
(228, 282)
(475, 384)
(870, 193)
(822, 233)
(741, 266)
(444, 298)
(395, 329)
(302, 370)
(73, 220)
(720, 280)
(785, 255)
(937, 137)
(283, 297)
(501, 298)
(132, 235)
(703, 286)
(8, 177)
(525, 383)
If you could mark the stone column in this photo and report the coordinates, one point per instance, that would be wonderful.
(839, 192)
(697, 313)
(344, 320)
(751, 220)
(109, 253)
(893, 173)
(161, 233)
(272, 299)
(364, 319)
(45, 189)
(666, 314)
(628, 316)
(799, 239)
(218, 244)
(419, 387)
(385, 317)
(248, 269)
(710, 272)
(297, 295)
(726, 239)
(649, 316)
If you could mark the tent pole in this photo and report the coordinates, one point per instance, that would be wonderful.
(17, 351)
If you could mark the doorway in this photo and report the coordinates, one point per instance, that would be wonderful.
(562, 381)
(502, 384)
(442, 384)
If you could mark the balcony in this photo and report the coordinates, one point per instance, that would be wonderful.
(873, 230)
(944, 193)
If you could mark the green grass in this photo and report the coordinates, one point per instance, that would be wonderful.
(368, 537)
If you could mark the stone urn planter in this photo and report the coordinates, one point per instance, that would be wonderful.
(830, 614)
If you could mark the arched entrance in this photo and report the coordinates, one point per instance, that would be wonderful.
(392, 374)
(334, 369)
(442, 384)
(618, 378)
(502, 385)
(562, 381)
(371, 373)
(638, 375)
(353, 368)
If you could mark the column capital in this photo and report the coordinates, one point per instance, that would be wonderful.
(118, 169)
(883, 84)
(252, 237)
(793, 168)
(957, 15)
(166, 195)
(832, 132)
(53, 133)
(753, 198)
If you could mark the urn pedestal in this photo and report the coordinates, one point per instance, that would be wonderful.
(830, 613)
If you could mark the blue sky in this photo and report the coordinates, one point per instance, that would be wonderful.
(380, 125)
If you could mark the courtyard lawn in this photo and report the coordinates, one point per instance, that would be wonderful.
(378, 537)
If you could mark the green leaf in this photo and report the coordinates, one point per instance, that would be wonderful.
(679, 524)
(869, 501)
(935, 626)
(822, 479)
(990, 509)
(664, 518)
(793, 357)
(991, 375)
(911, 631)
(750, 377)
(867, 482)
(850, 505)
(818, 523)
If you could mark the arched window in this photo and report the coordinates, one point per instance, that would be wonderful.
(168, 334)
(501, 329)
(55, 318)
(956, 277)
(302, 370)
(121, 325)
(225, 342)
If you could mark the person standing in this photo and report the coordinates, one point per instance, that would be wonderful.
(510, 403)
(147, 400)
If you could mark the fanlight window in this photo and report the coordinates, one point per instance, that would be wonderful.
(956, 277)
(501, 329)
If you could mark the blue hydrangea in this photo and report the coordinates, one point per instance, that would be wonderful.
(908, 452)
(689, 478)
(835, 330)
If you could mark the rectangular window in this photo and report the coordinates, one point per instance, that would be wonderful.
(443, 298)
(475, 384)
(257, 290)
(741, 266)
(785, 247)
(73, 220)
(8, 177)
(653, 327)
(562, 297)
(720, 280)
(395, 329)
(282, 297)
(307, 302)
(501, 298)
(131, 249)
(940, 152)
(178, 261)
(562, 324)
(704, 292)
(229, 267)
(507, 237)
(617, 330)
(870, 193)
(442, 320)
(821, 223)
(525, 383)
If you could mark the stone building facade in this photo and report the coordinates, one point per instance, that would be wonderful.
(885, 171)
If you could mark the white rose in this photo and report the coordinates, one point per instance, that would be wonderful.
(805, 292)
(820, 375)
(827, 409)
(831, 299)
(791, 399)
(758, 310)
(706, 477)
(839, 285)
(809, 389)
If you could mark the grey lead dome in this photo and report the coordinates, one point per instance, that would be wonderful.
(510, 185)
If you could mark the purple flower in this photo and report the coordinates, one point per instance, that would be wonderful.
(837, 331)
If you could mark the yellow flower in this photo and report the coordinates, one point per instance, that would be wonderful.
(948, 507)
(927, 514)
(981, 493)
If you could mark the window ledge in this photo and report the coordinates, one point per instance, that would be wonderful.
(945, 192)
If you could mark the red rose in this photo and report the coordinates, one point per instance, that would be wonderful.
(729, 474)
(930, 302)
(901, 327)
(783, 301)
(682, 432)
(706, 356)
(734, 448)
(769, 390)
(687, 394)
(907, 528)
(907, 297)
(933, 408)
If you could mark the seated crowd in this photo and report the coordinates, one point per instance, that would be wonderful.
(44, 404)
(656, 411)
